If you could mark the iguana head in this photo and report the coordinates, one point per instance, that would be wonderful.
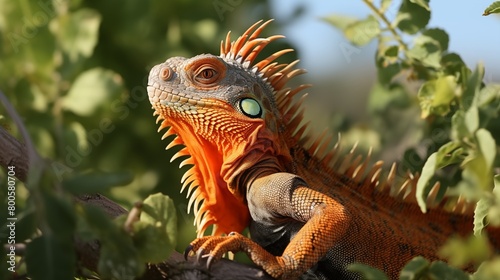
(229, 112)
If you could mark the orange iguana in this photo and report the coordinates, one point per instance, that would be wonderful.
(242, 131)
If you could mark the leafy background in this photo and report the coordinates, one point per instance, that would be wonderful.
(76, 72)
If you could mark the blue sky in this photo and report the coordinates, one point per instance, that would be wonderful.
(475, 37)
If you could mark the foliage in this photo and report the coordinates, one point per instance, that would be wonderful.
(455, 103)
(76, 72)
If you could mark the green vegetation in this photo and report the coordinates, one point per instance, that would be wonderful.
(75, 71)
(456, 105)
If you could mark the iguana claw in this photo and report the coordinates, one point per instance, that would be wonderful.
(187, 251)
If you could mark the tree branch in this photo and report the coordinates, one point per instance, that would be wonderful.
(14, 153)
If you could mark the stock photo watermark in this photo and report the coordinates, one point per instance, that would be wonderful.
(11, 218)
(31, 26)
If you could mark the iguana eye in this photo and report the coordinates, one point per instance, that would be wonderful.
(206, 75)
(206, 72)
(250, 108)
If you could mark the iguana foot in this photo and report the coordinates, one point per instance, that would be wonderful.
(214, 247)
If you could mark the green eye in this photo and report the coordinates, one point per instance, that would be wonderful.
(250, 107)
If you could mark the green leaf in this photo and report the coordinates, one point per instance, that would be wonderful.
(488, 95)
(367, 272)
(382, 98)
(60, 215)
(118, 257)
(49, 257)
(362, 32)
(420, 268)
(415, 269)
(449, 153)
(488, 270)
(77, 32)
(441, 270)
(461, 251)
(91, 90)
(487, 146)
(423, 182)
(494, 211)
(386, 73)
(472, 86)
(412, 17)
(340, 21)
(494, 8)
(422, 3)
(434, 35)
(384, 5)
(392, 51)
(459, 130)
(428, 53)
(156, 231)
(455, 66)
(471, 120)
(387, 63)
(435, 96)
(480, 214)
(95, 182)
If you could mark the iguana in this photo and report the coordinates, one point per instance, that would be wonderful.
(241, 129)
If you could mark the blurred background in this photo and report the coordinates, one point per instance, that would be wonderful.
(76, 72)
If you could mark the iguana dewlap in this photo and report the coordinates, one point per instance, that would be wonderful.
(239, 125)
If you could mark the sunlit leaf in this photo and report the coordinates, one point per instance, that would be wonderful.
(473, 85)
(91, 90)
(384, 5)
(486, 145)
(77, 32)
(435, 96)
(461, 251)
(423, 182)
(489, 270)
(494, 211)
(428, 53)
(471, 119)
(480, 214)
(340, 21)
(449, 153)
(362, 32)
(494, 8)
(422, 3)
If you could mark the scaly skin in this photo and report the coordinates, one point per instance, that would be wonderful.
(240, 128)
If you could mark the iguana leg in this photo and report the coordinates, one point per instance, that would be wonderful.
(272, 200)
(214, 247)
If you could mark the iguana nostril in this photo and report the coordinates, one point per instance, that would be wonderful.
(166, 73)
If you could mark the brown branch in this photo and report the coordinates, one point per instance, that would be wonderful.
(14, 153)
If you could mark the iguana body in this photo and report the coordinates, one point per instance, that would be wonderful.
(241, 130)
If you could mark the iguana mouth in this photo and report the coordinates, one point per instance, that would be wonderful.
(209, 195)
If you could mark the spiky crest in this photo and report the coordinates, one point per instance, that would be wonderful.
(360, 169)
(246, 49)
